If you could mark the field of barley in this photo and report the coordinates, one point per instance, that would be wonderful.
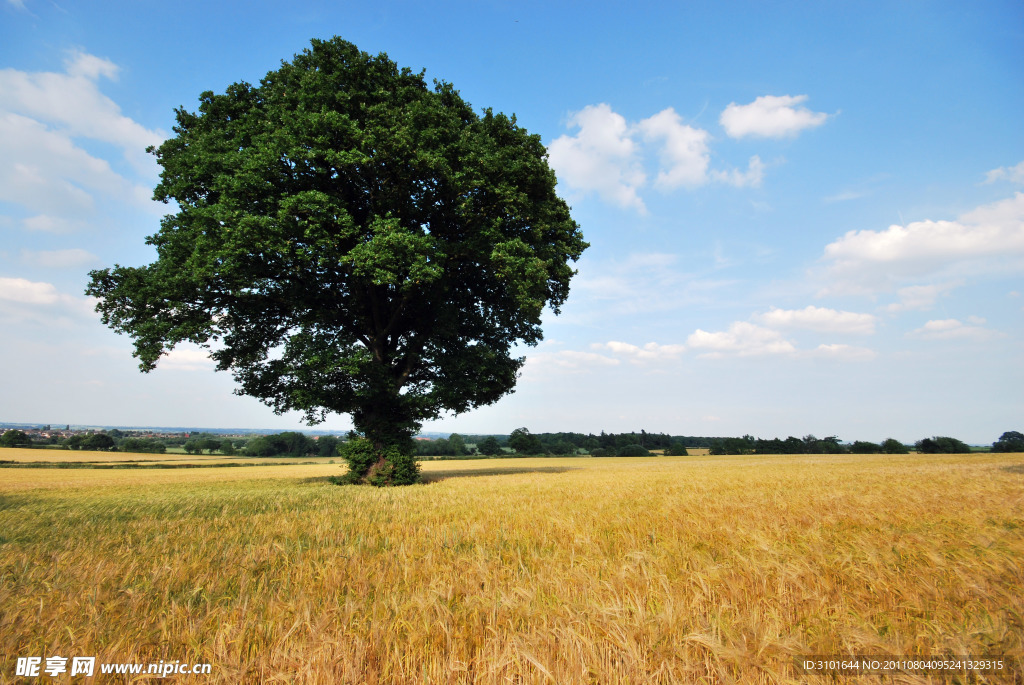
(635, 570)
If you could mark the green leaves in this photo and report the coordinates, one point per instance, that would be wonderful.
(394, 257)
(522, 274)
(356, 241)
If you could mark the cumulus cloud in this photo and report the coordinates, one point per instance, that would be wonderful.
(607, 156)
(987, 239)
(24, 291)
(819, 319)
(684, 150)
(72, 102)
(50, 224)
(953, 329)
(544, 364)
(770, 116)
(843, 353)
(1013, 174)
(636, 354)
(59, 259)
(751, 178)
(45, 172)
(921, 297)
(742, 339)
(23, 301)
(601, 158)
(43, 169)
(745, 339)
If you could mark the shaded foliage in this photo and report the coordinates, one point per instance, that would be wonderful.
(142, 445)
(894, 446)
(287, 444)
(15, 438)
(1010, 441)
(941, 444)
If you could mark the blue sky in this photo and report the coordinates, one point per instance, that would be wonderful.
(803, 217)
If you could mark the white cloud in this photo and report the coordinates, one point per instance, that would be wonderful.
(59, 259)
(770, 116)
(23, 301)
(45, 172)
(999, 225)
(81, 64)
(24, 291)
(751, 178)
(607, 155)
(951, 329)
(994, 230)
(843, 353)
(987, 239)
(921, 297)
(187, 358)
(684, 153)
(818, 319)
(1013, 174)
(42, 167)
(73, 103)
(50, 224)
(543, 364)
(743, 339)
(650, 352)
(601, 158)
(746, 339)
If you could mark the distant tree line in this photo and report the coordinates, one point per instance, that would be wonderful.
(291, 444)
(287, 444)
(521, 442)
(452, 446)
(809, 444)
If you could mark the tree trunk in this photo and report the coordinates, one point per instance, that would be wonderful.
(387, 455)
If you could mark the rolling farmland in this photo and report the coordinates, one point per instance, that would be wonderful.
(671, 569)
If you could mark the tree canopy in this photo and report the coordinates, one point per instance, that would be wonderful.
(15, 438)
(1010, 441)
(287, 444)
(524, 442)
(893, 446)
(489, 446)
(349, 240)
(941, 444)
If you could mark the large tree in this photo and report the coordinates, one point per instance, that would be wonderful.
(347, 239)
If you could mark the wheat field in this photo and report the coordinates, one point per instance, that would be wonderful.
(67, 457)
(641, 570)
